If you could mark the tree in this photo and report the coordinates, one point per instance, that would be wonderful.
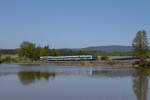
(0, 54)
(104, 58)
(45, 51)
(140, 46)
(37, 53)
(27, 49)
(0, 57)
(54, 52)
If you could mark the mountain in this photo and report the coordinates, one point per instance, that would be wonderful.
(111, 48)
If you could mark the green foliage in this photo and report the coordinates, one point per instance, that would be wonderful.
(140, 46)
(146, 64)
(0, 58)
(111, 62)
(27, 50)
(8, 51)
(7, 59)
(54, 52)
(30, 51)
(43, 52)
(37, 53)
(22, 60)
(140, 43)
(65, 52)
(104, 58)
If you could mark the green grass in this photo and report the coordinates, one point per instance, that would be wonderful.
(14, 59)
(9, 55)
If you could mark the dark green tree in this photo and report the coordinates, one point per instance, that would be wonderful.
(27, 50)
(140, 46)
(0, 57)
(54, 52)
(37, 53)
(43, 52)
(0, 53)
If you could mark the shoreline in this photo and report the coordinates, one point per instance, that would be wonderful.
(123, 64)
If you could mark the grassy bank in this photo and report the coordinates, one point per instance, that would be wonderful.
(79, 63)
(13, 58)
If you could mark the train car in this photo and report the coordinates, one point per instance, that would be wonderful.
(67, 58)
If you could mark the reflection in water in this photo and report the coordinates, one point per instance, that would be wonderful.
(30, 77)
(91, 83)
(113, 73)
(140, 83)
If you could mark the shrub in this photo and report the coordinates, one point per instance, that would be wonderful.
(95, 57)
(110, 62)
(104, 58)
(0, 58)
(23, 60)
(146, 64)
(7, 59)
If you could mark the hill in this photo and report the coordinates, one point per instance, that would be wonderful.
(112, 48)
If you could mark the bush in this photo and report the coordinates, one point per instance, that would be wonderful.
(110, 62)
(104, 58)
(23, 60)
(95, 57)
(8, 59)
(146, 64)
(0, 58)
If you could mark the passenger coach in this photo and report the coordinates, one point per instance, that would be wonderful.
(67, 58)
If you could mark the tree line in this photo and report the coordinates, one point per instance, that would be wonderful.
(30, 50)
(33, 52)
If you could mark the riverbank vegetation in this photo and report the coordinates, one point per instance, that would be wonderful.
(141, 48)
(29, 52)
(22, 55)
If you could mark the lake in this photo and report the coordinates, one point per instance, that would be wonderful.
(44, 82)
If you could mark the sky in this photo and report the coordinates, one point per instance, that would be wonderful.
(72, 23)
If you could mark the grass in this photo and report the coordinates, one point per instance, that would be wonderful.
(9, 55)
(14, 59)
(110, 62)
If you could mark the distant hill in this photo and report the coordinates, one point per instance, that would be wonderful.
(112, 48)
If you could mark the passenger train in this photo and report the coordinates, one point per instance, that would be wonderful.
(67, 58)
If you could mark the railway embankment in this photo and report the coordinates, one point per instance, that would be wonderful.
(117, 63)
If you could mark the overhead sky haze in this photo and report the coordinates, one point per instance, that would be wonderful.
(72, 23)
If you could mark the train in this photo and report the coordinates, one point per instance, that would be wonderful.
(67, 58)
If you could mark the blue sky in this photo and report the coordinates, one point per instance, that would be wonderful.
(72, 23)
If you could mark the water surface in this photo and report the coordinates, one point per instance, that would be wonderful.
(44, 82)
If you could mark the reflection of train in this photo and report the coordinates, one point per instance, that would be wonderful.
(67, 58)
